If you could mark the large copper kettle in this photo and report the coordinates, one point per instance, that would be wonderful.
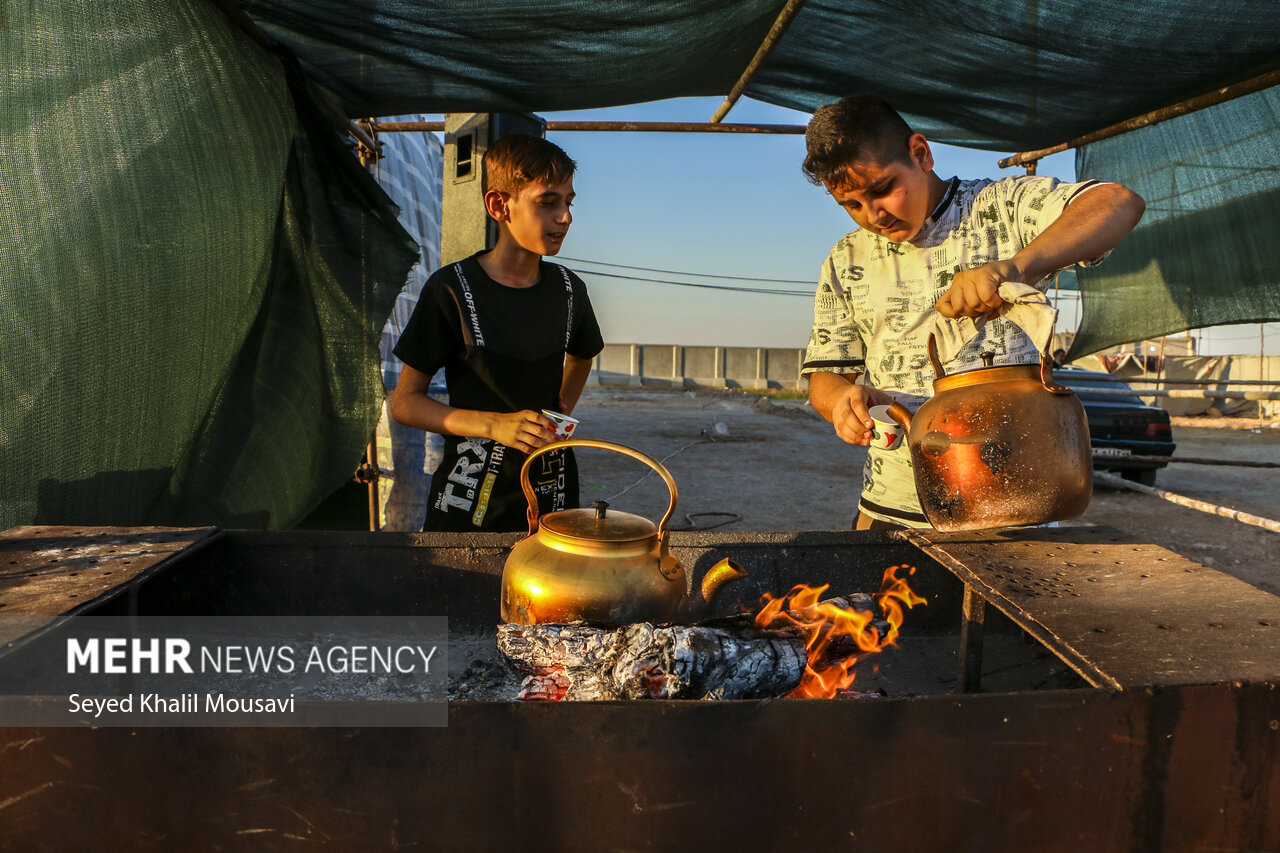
(999, 447)
(598, 564)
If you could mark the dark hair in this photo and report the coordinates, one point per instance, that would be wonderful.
(859, 127)
(517, 160)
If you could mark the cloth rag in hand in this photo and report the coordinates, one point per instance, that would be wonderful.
(1023, 305)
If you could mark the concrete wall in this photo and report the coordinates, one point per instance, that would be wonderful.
(668, 366)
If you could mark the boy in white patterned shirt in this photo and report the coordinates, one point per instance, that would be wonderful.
(926, 244)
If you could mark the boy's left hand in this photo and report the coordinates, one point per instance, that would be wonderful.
(973, 291)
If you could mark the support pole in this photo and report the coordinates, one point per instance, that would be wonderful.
(371, 466)
(612, 126)
(1192, 503)
(973, 625)
(1218, 96)
(784, 19)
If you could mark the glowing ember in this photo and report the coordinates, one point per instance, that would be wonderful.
(830, 630)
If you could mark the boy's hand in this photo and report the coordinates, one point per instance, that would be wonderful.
(525, 431)
(973, 291)
(850, 416)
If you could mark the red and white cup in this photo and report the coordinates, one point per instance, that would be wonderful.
(564, 424)
(886, 433)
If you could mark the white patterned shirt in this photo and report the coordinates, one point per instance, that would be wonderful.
(874, 305)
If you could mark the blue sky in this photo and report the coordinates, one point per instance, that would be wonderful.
(723, 204)
(734, 205)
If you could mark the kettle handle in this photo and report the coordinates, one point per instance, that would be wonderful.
(1046, 378)
(938, 372)
(603, 445)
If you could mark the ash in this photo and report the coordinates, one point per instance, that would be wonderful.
(481, 673)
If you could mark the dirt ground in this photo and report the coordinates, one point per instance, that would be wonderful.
(766, 464)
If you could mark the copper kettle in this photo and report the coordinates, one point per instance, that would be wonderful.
(598, 564)
(999, 447)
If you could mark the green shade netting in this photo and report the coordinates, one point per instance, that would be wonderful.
(1004, 76)
(187, 330)
(386, 58)
(1204, 253)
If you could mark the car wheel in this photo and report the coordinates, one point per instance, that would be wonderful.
(1141, 476)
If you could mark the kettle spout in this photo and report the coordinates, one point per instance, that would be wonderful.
(694, 608)
(724, 572)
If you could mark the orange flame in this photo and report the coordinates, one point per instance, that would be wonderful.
(829, 630)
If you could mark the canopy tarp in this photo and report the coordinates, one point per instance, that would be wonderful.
(1014, 75)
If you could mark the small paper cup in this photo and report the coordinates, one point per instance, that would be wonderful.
(565, 425)
(886, 433)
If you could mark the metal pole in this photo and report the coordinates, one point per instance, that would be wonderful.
(973, 625)
(632, 126)
(370, 151)
(375, 513)
(779, 27)
(1193, 503)
(1226, 93)
(1160, 364)
(1212, 382)
(1191, 460)
(1177, 394)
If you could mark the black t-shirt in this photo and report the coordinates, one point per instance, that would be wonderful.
(503, 350)
(527, 324)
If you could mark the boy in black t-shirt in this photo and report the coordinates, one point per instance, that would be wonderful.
(515, 335)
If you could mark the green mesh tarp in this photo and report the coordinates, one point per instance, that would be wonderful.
(386, 57)
(1205, 253)
(193, 273)
(1006, 76)
(1020, 74)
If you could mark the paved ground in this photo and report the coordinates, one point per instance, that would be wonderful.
(776, 465)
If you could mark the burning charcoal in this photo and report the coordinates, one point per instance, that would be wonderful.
(680, 662)
(533, 646)
(560, 661)
(576, 661)
(549, 687)
(838, 631)
(861, 694)
(858, 601)
(798, 645)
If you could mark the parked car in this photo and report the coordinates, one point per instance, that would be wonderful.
(1120, 426)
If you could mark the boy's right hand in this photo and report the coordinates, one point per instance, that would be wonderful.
(525, 431)
(850, 416)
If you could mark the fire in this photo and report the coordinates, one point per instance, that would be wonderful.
(837, 637)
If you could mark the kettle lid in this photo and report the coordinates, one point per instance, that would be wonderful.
(599, 524)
